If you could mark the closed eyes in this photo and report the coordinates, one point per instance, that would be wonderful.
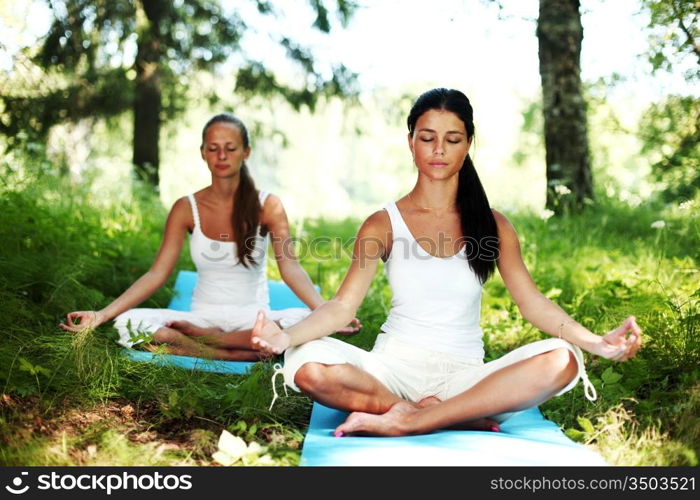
(430, 139)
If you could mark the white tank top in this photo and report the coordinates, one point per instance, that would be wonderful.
(221, 281)
(436, 302)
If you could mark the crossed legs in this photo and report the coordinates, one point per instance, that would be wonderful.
(346, 387)
(186, 333)
(515, 387)
(184, 338)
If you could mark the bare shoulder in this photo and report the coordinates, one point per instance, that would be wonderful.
(272, 209)
(378, 224)
(508, 237)
(181, 212)
(505, 228)
(272, 202)
(181, 207)
(374, 236)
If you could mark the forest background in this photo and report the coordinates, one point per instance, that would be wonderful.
(101, 108)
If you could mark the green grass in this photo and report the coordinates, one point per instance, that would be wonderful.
(601, 267)
(69, 400)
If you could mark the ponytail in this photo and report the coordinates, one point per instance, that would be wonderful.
(477, 221)
(246, 217)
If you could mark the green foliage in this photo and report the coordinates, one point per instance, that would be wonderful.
(69, 250)
(670, 131)
(674, 34)
(136, 335)
(87, 71)
(602, 266)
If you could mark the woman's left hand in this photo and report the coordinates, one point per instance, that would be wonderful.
(617, 345)
(352, 328)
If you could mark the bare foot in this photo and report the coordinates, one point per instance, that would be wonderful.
(193, 330)
(267, 337)
(479, 424)
(159, 348)
(428, 401)
(392, 423)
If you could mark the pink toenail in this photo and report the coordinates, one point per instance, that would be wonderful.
(495, 428)
(338, 434)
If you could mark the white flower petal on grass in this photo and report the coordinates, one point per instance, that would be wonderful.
(254, 449)
(233, 445)
(658, 224)
(224, 458)
(231, 449)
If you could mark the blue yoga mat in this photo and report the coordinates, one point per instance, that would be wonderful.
(526, 439)
(190, 363)
(281, 297)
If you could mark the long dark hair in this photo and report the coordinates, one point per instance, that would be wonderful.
(245, 217)
(477, 221)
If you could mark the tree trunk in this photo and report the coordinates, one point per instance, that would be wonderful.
(147, 94)
(569, 179)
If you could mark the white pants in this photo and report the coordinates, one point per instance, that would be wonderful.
(413, 373)
(148, 321)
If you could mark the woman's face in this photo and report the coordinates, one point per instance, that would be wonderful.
(223, 149)
(439, 143)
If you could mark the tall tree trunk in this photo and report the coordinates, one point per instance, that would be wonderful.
(147, 94)
(569, 179)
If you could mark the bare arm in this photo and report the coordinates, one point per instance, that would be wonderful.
(371, 244)
(149, 282)
(548, 316)
(275, 218)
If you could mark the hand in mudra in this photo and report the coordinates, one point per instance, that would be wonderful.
(352, 328)
(78, 321)
(617, 344)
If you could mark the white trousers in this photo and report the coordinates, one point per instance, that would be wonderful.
(147, 321)
(413, 373)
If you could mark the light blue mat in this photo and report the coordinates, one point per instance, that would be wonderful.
(526, 439)
(281, 297)
(190, 363)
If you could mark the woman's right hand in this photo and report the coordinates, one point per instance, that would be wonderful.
(85, 320)
(175, 230)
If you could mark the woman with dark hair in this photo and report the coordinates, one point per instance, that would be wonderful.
(229, 223)
(440, 243)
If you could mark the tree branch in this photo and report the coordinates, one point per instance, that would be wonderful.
(684, 28)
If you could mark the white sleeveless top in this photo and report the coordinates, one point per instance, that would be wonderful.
(222, 281)
(436, 302)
